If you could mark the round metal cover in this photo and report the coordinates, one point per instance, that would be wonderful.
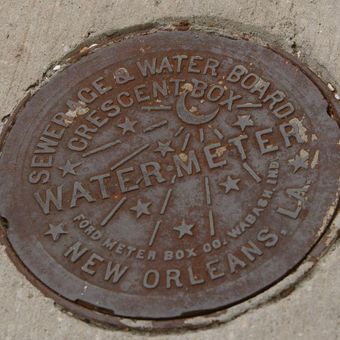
(167, 175)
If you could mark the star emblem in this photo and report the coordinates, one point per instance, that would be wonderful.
(68, 168)
(164, 148)
(184, 229)
(230, 184)
(141, 208)
(243, 122)
(55, 231)
(127, 126)
(300, 161)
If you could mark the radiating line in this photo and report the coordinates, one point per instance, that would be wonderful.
(201, 135)
(139, 179)
(131, 155)
(251, 172)
(155, 126)
(207, 190)
(166, 201)
(173, 179)
(101, 148)
(186, 141)
(179, 131)
(211, 223)
(248, 105)
(113, 211)
(218, 133)
(153, 236)
(157, 108)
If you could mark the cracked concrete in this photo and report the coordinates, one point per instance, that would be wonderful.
(36, 34)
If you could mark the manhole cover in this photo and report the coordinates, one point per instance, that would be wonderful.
(168, 174)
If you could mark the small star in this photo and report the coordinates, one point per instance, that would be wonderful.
(244, 121)
(230, 184)
(55, 231)
(300, 161)
(164, 148)
(68, 168)
(141, 208)
(127, 126)
(184, 229)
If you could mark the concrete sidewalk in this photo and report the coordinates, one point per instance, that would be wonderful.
(36, 33)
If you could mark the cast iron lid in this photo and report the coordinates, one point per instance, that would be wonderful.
(168, 174)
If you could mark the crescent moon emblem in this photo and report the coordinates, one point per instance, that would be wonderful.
(188, 117)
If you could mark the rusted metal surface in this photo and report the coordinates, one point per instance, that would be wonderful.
(168, 175)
